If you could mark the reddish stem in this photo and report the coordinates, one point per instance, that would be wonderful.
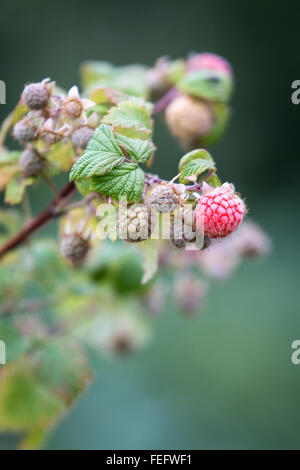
(41, 219)
(161, 104)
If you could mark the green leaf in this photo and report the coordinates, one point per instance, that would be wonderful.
(126, 180)
(129, 79)
(139, 150)
(105, 96)
(132, 117)
(62, 154)
(215, 86)
(16, 344)
(195, 163)
(16, 188)
(222, 114)
(102, 155)
(24, 402)
(8, 157)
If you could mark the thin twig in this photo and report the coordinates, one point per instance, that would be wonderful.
(39, 221)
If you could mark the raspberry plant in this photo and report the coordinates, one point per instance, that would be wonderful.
(90, 289)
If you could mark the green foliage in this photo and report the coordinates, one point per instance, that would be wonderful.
(131, 119)
(50, 310)
(126, 180)
(16, 188)
(195, 164)
(102, 155)
(137, 149)
(204, 84)
(129, 79)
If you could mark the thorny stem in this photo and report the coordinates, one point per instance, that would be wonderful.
(57, 206)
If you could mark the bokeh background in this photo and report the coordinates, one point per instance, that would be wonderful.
(225, 379)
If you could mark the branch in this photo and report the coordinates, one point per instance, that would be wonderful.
(163, 102)
(40, 220)
(52, 210)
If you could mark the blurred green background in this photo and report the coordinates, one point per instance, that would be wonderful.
(225, 379)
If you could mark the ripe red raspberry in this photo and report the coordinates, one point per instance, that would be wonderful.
(219, 211)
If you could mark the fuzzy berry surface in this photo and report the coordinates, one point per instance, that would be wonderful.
(219, 214)
(209, 61)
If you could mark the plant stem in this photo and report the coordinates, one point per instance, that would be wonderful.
(164, 101)
(40, 220)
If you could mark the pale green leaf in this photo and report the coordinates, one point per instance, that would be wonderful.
(62, 155)
(139, 150)
(9, 157)
(215, 86)
(126, 180)
(193, 155)
(101, 155)
(131, 116)
(195, 163)
(15, 189)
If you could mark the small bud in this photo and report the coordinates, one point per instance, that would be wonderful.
(72, 108)
(31, 162)
(157, 79)
(35, 96)
(189, 119)
(182, 228)
(220, 260)
(250, 240)
(163, 198)
(154, 299)
(24, 131)
(190, 294)
(81, 137)
(74, 248)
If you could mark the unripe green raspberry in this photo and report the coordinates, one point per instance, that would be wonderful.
(30, 162)
(134, 225)
(24, 131)
(164, 198)
(35, 96)
(189, 119)
(74, 248)
(81, 137)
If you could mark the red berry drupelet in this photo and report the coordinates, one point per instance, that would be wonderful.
(219, 211)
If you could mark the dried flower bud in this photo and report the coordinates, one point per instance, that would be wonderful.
(134, 225)
(189, 294)
(164, 198)
(189, 119)
(74, 248)
(157, 79)
(154, 299)
(31, 162)
(182, 228)
(35, 96)
(72, 106)
(81, 137)
(24, 131)
(250, 240)
(220, 260)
